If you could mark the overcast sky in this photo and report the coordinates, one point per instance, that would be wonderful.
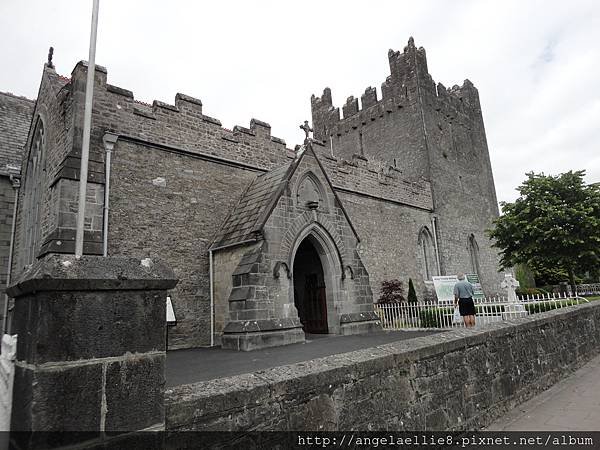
(536, 63)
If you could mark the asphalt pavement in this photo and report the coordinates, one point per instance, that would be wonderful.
(201, 364)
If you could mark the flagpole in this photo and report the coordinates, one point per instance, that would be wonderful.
(87, 122)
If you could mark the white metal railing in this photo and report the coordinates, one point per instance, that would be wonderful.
(424, 315)
(580, 289)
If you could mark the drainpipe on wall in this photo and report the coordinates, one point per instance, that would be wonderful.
(16, 184)
(109, 140)
(435, 241)
(212, 298)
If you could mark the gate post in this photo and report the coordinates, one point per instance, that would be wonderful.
(91, 348)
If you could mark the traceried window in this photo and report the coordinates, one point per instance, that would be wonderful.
(32, 208)
(427, 254)
(474, 254)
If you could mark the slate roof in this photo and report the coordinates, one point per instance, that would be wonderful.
(15, 119)
(254, 207)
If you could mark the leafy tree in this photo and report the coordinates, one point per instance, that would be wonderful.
(412, 294)
(525, 276)
(391, 292)
(553, 225)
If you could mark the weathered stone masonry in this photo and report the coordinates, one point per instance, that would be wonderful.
(91, 351)
(15, 119)
(426, 132)
(177, 175)
(285, 207)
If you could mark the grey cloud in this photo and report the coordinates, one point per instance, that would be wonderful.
(535, 63)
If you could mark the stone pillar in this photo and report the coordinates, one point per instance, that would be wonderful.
(91, 347)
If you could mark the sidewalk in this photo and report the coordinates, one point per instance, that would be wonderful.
(572, 404)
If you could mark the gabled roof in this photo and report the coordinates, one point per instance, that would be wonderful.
(15, 118)
(255, 205)
(254, 208)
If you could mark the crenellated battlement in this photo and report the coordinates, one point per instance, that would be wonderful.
(409, 77)
(182, 123)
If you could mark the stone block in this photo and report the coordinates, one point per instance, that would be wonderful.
(127, 383)
(254, 341)
(359, 327)
(87, 324)
(67, 399)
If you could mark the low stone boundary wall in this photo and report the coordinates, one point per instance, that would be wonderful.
(461, 379)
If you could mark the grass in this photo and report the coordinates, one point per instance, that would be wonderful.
(593, 298)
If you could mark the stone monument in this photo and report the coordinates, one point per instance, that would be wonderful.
(514, 309)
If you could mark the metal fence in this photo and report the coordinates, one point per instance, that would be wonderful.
(427, 315)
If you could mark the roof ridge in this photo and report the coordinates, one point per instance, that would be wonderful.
(20, 97)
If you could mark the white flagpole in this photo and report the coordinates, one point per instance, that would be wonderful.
(87, 122)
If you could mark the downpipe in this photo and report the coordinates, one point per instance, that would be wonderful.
(109, 140)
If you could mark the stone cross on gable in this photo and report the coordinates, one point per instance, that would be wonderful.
(50, 55)
(510, 284)
(307, 129)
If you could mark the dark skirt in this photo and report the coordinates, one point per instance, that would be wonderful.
(466, 307)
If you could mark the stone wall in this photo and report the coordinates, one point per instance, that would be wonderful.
(15, 120)
(391, 252)
(53, 113)
(171, 206)
(7, 201)
(461, 379)
(461, 179)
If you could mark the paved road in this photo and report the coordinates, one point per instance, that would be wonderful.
(200, 364)
(573, 404)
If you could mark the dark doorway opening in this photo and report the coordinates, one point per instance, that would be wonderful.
(309, 289)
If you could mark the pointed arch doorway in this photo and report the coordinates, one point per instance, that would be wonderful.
(310, 290)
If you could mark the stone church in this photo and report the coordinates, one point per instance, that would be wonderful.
(269, 242)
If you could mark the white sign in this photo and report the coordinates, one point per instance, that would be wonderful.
(7, 378)
(444, 288)
(170, 312)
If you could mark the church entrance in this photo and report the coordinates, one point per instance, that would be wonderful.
(309, 289)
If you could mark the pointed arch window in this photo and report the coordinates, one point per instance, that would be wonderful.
(32, 199)
(474, 254)
(426, 247)
(310, 192)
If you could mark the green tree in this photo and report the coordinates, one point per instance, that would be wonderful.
(412, 294)
(554, 224)
(525, 276)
